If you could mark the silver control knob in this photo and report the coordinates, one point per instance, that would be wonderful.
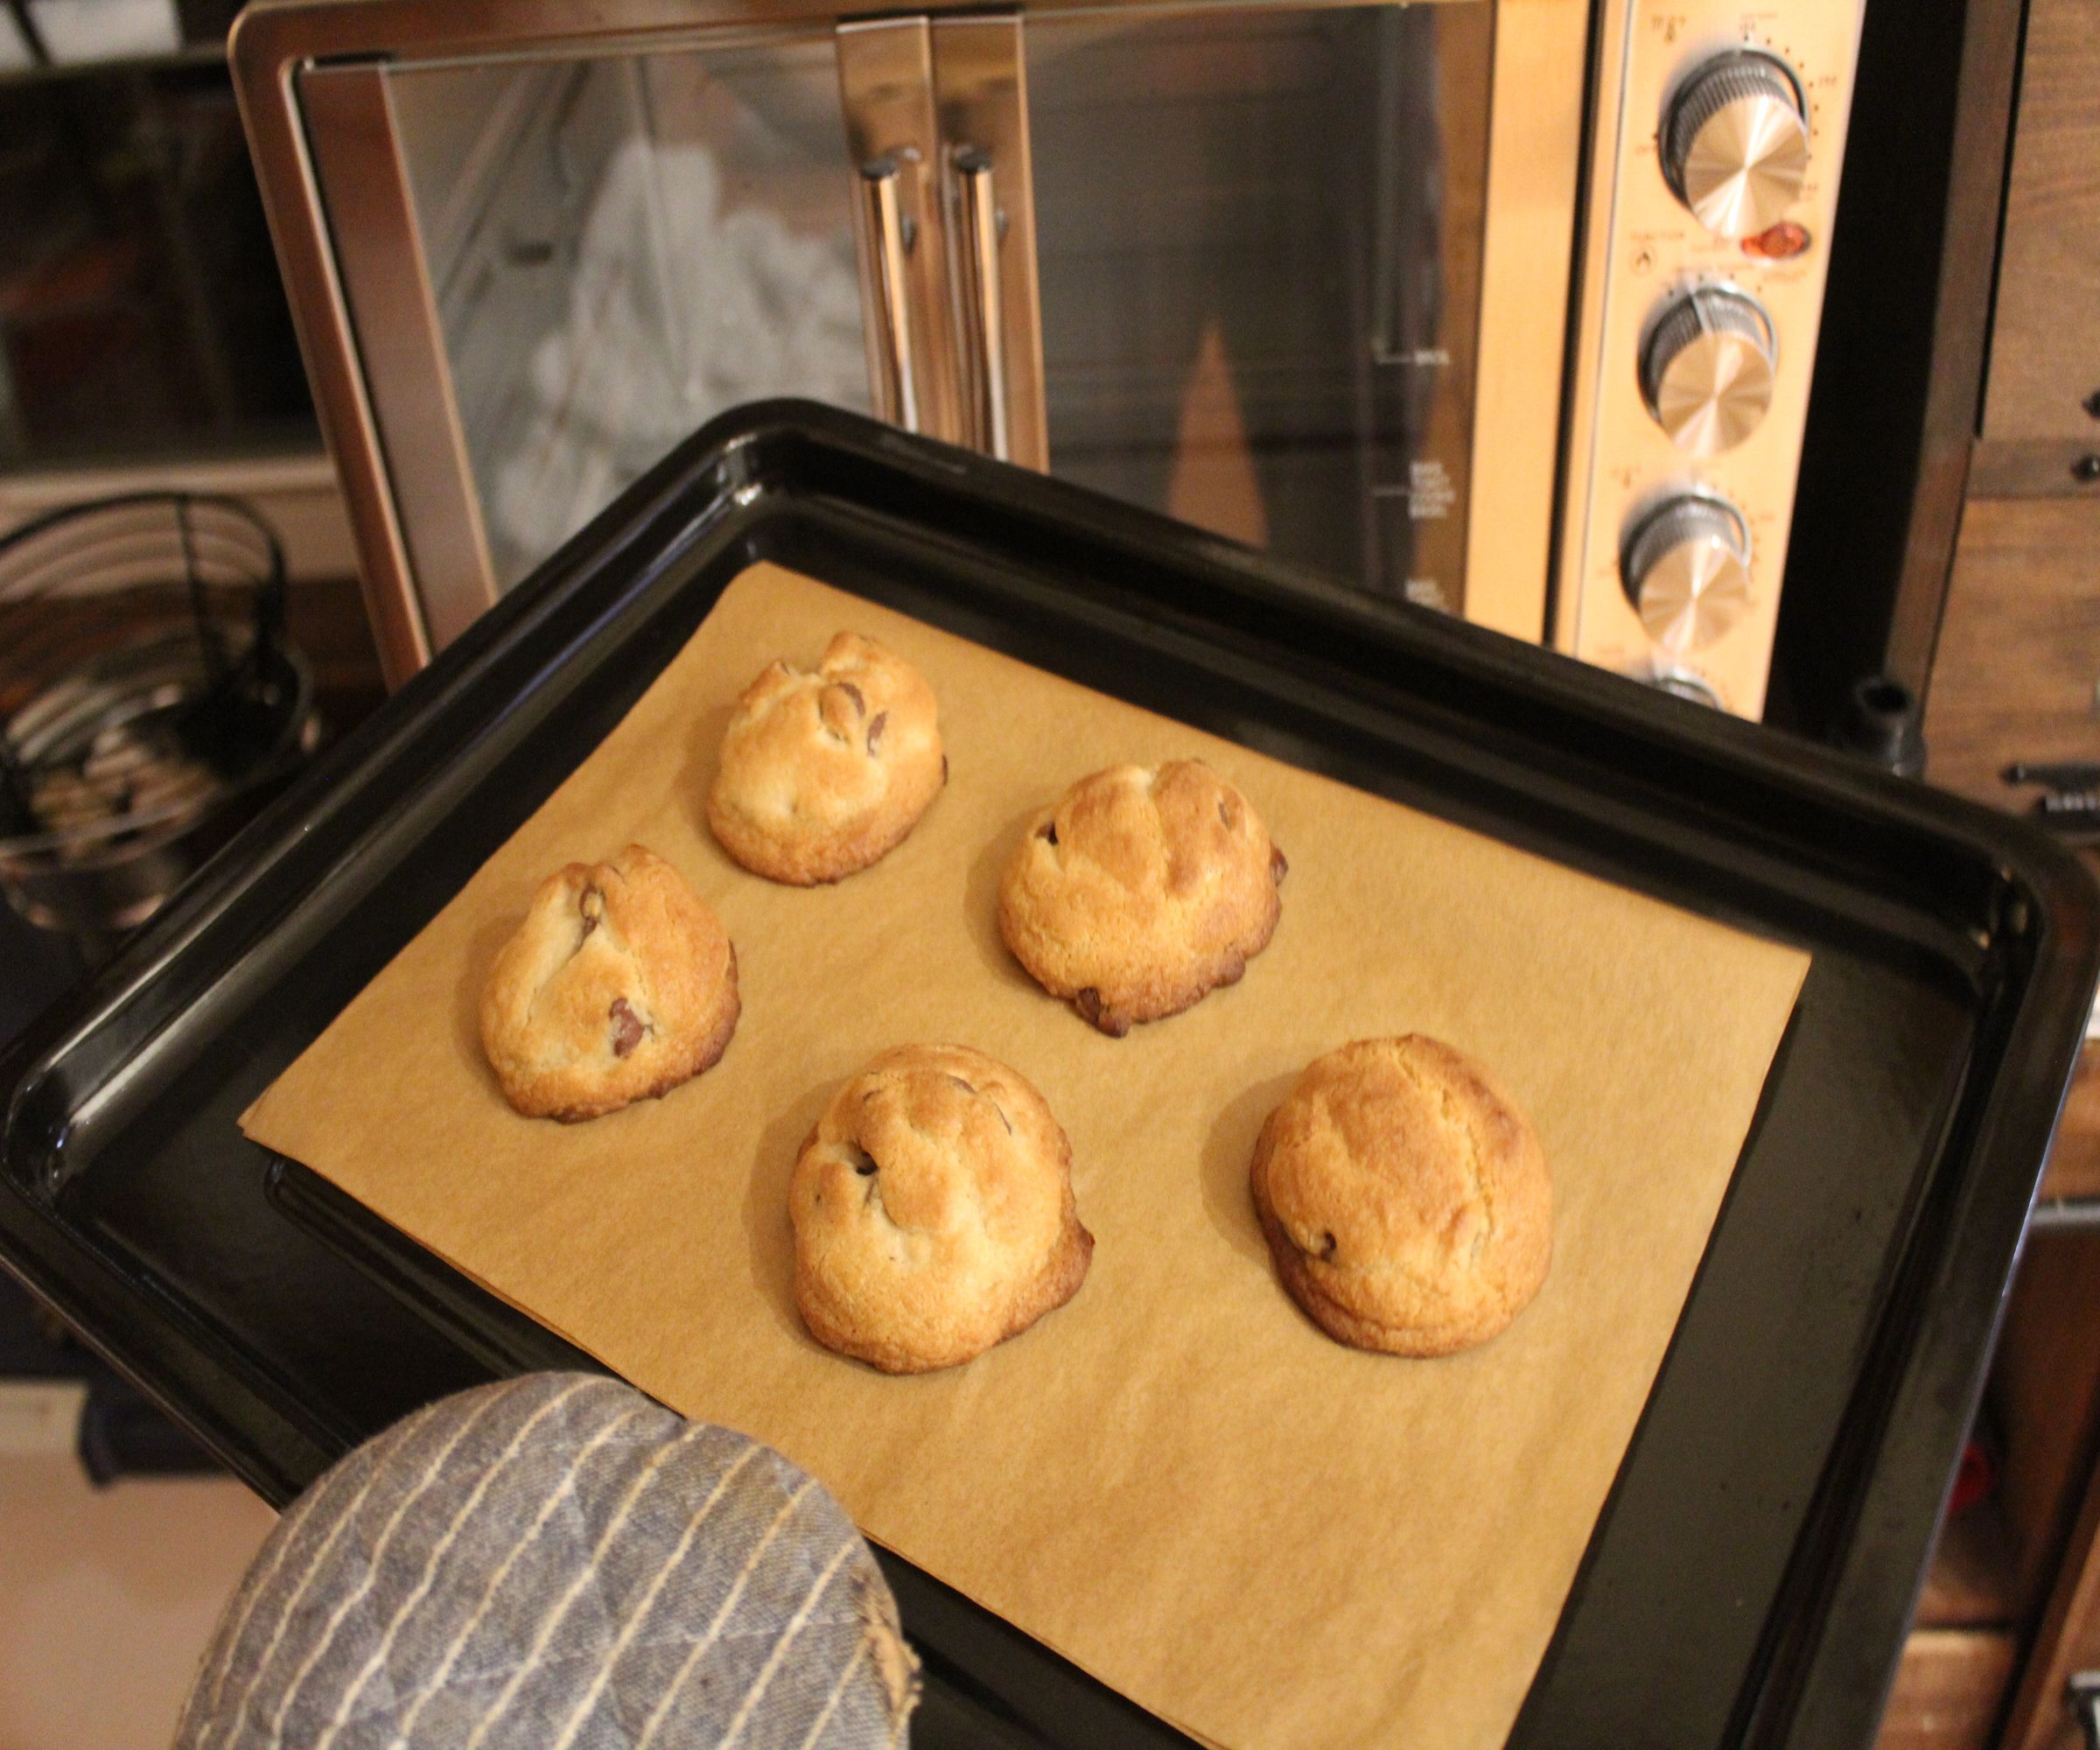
(1686, 569)
(1735, 143)
(1706, 369)
(1681, 684)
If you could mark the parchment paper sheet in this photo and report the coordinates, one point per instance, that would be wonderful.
(1176, 1479)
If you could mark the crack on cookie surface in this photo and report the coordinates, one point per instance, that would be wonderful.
(1142, 890)
(824, 772)
(955, 1237)
(619, 984)
(1403, 1148)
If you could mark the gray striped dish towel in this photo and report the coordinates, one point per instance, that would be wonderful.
(558, 1561)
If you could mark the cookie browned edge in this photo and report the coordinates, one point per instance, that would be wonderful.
(888, 829)
(1338, 1321)
(1160, 998)
(1061, 1278)
(707, 1053)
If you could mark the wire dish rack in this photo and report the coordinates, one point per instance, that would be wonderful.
(150, 702)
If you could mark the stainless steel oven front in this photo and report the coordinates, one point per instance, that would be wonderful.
(1504, 307)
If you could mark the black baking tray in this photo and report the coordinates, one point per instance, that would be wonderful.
(1751, 1577)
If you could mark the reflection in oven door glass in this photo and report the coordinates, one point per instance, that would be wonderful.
(1260, 239)
(622, 247)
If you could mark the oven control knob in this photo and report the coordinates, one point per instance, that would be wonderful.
(1735, 143)
(1681, 684)
(1706, 369)
(1686, 567)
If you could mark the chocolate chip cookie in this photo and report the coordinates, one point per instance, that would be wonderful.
(1405, 1200)
(1142, 890)
(619, 985)
(825, 770)
(932, 1212)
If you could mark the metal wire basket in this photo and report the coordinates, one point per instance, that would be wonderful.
(148, 700)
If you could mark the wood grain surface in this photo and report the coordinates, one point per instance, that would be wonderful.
(2020, 649)
(2045, 346)
(1949, 1690)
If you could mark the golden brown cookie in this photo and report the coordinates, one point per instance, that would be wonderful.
(619, 985)
(933, 1211)
(1140, 891)
(825, 770)
(1406, 1202)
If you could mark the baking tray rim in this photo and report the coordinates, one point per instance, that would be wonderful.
(2043, 894)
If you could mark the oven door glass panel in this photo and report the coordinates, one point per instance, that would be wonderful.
(621, 246)
(1259, 237)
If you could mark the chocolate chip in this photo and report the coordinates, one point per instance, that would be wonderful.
(628, 1028)
(863, 1163)
(860, 706)
(1088, 1002)
(1279, 865)
(592, 903)
(875, 726)
(1049, 834)
(1327, 1243)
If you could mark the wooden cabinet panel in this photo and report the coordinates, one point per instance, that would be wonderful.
(2018, 658)
(2045, 343)
(2044, 1393)
(2074, 1169)
(2067, 1641)
(2043, 1397)
(1949, 1691)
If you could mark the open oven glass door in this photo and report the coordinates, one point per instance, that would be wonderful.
(1223, 262)
(557, 268)
(621, 247)
(1259, 241)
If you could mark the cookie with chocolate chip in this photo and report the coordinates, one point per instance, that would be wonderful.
(1405, 1199)
(619, 985)
(825, 770)
(1140, 891)
(933, 1211)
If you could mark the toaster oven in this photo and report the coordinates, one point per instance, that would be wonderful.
(1504, 307)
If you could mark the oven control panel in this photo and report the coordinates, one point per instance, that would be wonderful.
(1705, 296)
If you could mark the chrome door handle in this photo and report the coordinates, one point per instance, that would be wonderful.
(899, 393)
(2081, 1695)
(984, 305)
